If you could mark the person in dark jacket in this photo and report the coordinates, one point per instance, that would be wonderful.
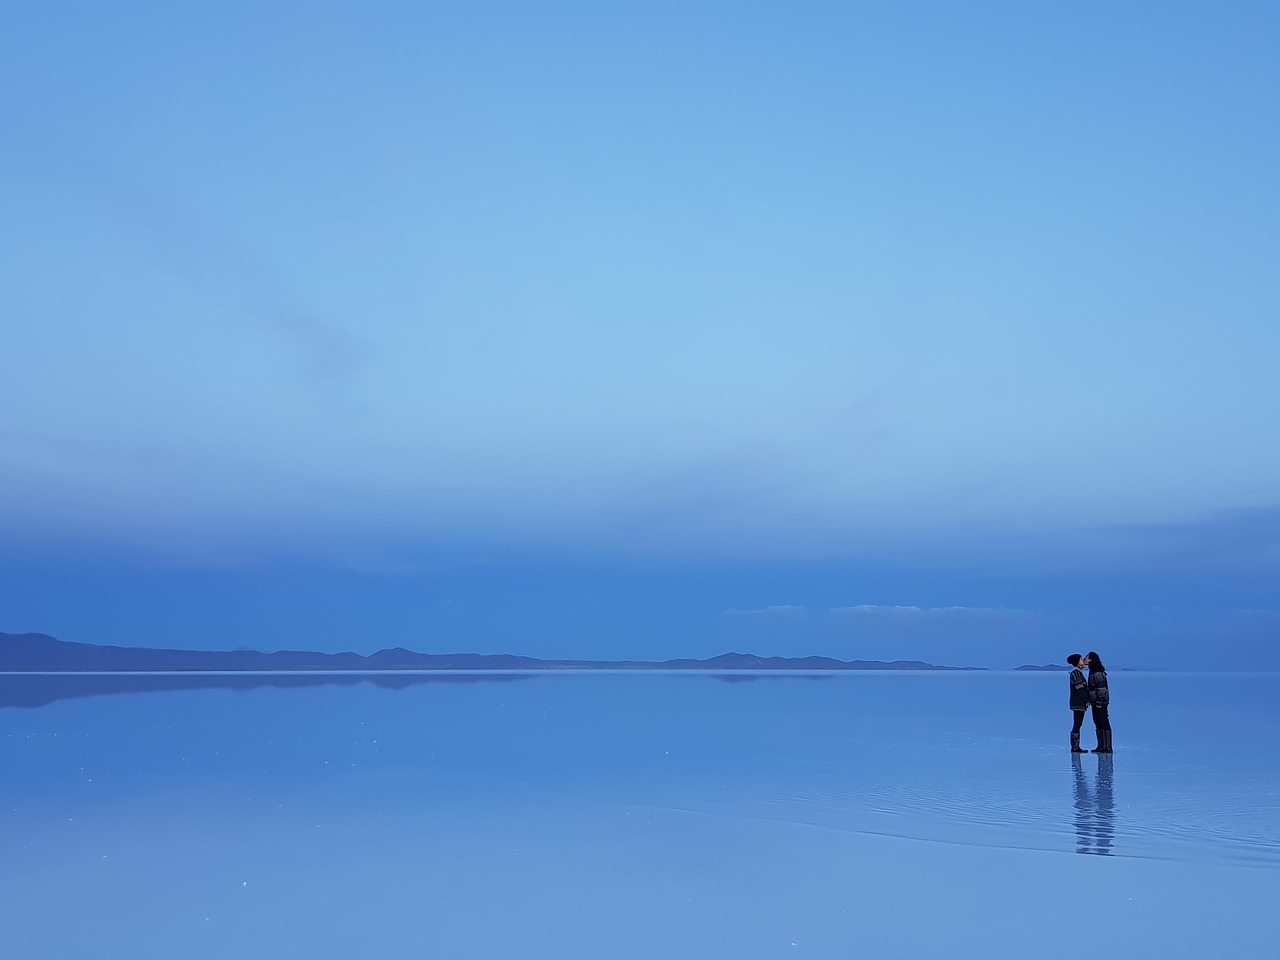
(1099, 700)
(1079, 699)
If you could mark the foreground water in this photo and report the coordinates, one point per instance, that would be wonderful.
(635, 815)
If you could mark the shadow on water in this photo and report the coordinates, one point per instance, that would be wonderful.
(31, 691)
(1095, 807)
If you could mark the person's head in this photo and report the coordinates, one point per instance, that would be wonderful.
(1074, 659)
(1094, 661)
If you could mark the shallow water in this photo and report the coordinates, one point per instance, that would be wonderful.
(540, 815)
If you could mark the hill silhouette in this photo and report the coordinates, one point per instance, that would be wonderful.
(39, 653)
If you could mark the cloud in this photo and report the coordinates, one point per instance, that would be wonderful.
(1249, 536)
(327, 355)
(184, 240)
(779, 611)
(899, 610)
(934, 630)
(903, 614)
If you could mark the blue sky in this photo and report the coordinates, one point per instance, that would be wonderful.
(922, 330)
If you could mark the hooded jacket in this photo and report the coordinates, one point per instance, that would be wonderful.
(1099, 695)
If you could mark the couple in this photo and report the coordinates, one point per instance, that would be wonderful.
(1091, 692)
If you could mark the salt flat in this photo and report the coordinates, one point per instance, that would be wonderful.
(643, 816)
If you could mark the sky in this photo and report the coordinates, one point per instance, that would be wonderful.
(886, 330)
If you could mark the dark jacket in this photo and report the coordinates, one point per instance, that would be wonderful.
(1099, 695)
(1079, 690)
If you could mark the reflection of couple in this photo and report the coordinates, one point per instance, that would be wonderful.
(1090, 693)
(1095, 813)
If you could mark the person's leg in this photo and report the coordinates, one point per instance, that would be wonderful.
(1078, 717)
(1101, 727)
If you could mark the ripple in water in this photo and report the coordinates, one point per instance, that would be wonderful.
(1039, 800)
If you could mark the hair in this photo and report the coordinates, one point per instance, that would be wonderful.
(1095, 663)
(1074, 659)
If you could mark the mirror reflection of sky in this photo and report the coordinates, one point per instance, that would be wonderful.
(637, 815)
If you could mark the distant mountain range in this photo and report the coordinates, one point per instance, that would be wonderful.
(38, 653)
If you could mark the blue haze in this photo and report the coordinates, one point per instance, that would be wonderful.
(861, 330)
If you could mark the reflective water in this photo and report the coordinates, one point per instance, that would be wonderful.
(627, 814)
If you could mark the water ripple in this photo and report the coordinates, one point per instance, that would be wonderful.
(1093, 805)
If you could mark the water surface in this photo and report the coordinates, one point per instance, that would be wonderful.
(630, 814)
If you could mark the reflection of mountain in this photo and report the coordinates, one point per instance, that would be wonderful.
(35, 652)
(42, 690)
(756, 678)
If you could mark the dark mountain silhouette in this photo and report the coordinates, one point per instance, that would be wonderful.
(38, 653)
(1046, 666)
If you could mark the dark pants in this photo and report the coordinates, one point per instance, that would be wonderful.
(1102, 726)
(1078, 717)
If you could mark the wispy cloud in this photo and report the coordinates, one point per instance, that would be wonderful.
(190, 243)
(910, 610)
(780, 611)
(327, 355)
(1247, 535)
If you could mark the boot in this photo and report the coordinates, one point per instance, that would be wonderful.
(1104, 742)
(1075, 743)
